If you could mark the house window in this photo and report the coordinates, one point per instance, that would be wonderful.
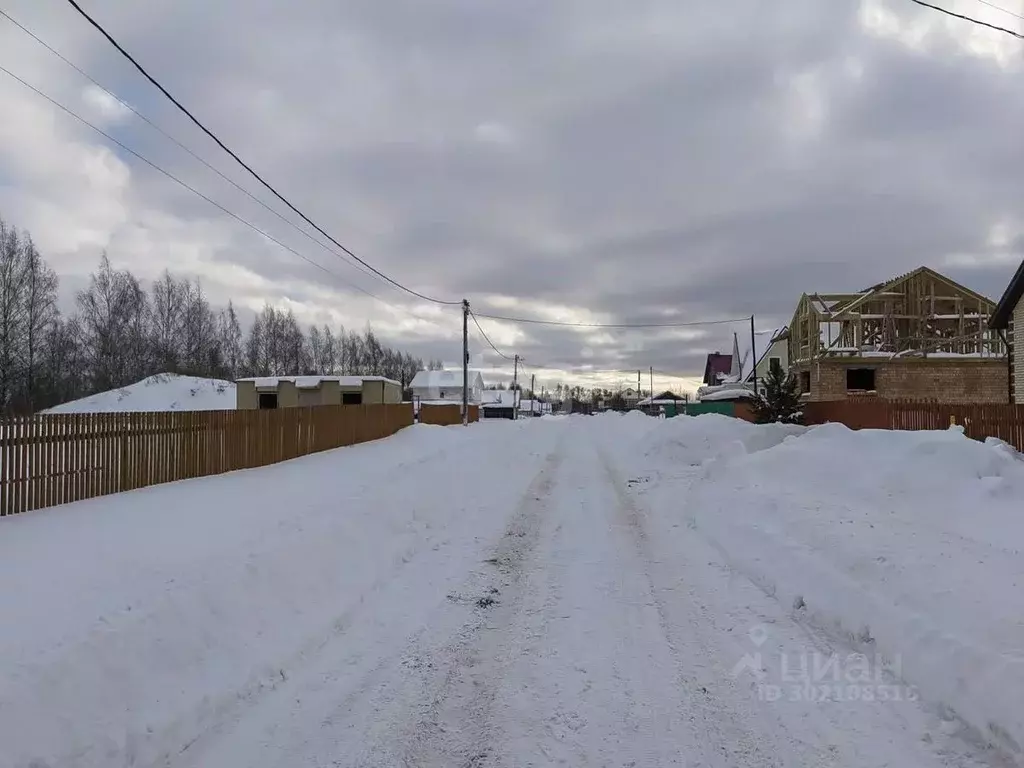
(775, 364)
(860, 378)
(805, 382)
(268, 401)
(351, 398)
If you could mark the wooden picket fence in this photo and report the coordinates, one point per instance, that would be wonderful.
(979, 420)
(47, 460)
(447, 415)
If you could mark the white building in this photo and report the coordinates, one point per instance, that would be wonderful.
(446, 386)
(777, 353)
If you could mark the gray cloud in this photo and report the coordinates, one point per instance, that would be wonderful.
(625, 162)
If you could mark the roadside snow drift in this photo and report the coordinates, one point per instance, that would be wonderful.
(908, 544)
(162, 392)
(132, 623)
(606, 590)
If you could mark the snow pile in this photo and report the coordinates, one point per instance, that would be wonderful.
(145, 618)
(692, 440)
(162, 392)
(907, 544)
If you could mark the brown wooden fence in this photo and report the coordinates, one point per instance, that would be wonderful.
(447, 415)
(56, 459)
(979, 421)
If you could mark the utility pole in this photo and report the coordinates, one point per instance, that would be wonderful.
(652, 390)
(515, 388)
(753, 352)
(533, 392)
(638, 386)
(465, 363)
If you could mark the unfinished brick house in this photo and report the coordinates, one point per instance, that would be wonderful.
(919, 336)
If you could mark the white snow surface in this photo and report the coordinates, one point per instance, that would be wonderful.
(580, 591)
(162, 392)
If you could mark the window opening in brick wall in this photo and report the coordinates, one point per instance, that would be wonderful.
(860, 378)
(805, 382)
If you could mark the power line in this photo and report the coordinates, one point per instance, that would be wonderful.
(971, 19)
(192, 189)
(171, 138)
(491, 343)
(1000, 8)
(241, 162)
(535, 321)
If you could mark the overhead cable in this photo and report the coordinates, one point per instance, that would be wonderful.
(188, 187)
(970, 19)
(245, 165)
(564, 324)
(156, 127)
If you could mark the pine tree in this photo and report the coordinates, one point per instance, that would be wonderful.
(780, 400)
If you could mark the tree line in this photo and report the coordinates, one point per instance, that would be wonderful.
(121, 332)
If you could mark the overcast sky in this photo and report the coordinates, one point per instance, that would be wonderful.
(578, 160)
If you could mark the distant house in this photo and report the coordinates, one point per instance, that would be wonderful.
(630, 397)
(269, 392)
(716, 367)
(529, 407)
(1008, 321)
(664, 398)
(918, 336)
(732, 384)
(498, 404)
(776, 354)
(446, 386)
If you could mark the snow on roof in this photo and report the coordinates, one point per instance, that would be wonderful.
(498, 398)
(312, 382)
(724, 392)
(450, 378)
(535, 406)
(162, 392)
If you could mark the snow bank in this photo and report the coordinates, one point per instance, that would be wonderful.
(134, 621)
(162, 392)
(907, 543)
(692, 440)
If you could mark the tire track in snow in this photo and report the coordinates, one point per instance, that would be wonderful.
(698, 613)
(449, 723)
(355, 703)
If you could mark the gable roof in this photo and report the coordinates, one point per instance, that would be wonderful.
(717, 365)
(1000, 319)
(498, 398)
(437, 379)
(778, 335)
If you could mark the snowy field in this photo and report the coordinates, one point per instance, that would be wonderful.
(162, 392)
(572, 591)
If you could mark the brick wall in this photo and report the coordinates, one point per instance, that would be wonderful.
(1017, 336)
(942, 380)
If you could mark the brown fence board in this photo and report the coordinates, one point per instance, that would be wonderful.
(56, 459)
(979, 420)
(447, 415)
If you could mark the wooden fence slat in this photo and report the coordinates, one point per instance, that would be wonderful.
(5, 466)
(15, 481)
(62, 458)
(45, 465)
(18, 463)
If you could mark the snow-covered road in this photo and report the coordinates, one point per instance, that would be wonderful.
(508, 595)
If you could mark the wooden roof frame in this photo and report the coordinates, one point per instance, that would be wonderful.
(919, 312)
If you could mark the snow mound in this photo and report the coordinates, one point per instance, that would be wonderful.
(694, 440)
(162, 392)
(910, 544)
